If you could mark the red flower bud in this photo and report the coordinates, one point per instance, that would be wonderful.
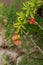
(32, 21)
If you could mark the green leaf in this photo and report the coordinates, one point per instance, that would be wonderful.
(6, 57)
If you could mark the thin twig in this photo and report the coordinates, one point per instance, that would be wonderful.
(40, 27)
(36, 45)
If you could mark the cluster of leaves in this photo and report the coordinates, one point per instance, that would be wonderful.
(22, 25)
(20, 22)
(28, 11)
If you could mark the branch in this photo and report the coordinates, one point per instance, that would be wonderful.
(36, 45)
(40, 27)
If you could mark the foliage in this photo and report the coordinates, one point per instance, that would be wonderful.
(10, 14)
(20, 22)
(28, 11)
(6, 57)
